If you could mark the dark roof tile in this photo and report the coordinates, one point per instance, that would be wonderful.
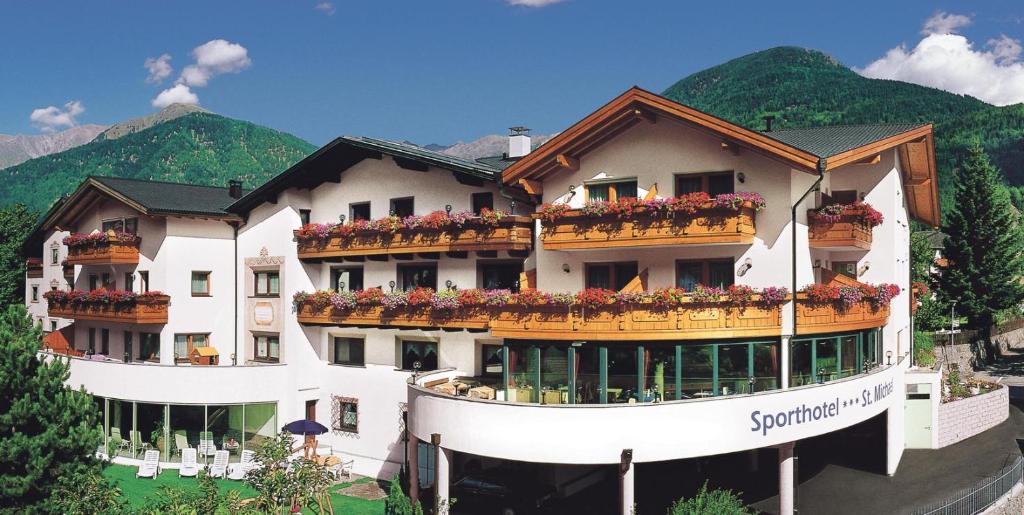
(160, 197)
(830, 141)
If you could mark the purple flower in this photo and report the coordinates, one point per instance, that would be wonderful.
(445, 300)
(394, 300)
(498, 297)
(850, 295)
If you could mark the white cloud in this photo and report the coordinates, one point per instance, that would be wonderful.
(177, 94)
(52, 118)
(159, 68)
(325, 7)
(533, 3)
(944, 23)
(950, 62)
(214, 58)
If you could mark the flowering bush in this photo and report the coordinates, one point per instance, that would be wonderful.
(739, 294)
(668, 297)
(706, 294)
(884, 294)
(389, 224)
(343, 300)
(822, 293)
(562, 299)
(861, 211)
(627, 207)
(99, 297)
(850, 295)
(879, 294)
(369, 297)
(530, 297)
(314, 231)
(500, 297)
(552, 212)
(628, 297)
(922, 288)
(492, 218)
(472, 297)
(594, 297)
(85, 240)
(773, 296)
(394, 299)
(445, 300)
(734, 201)
(419, 296)
(434, 221)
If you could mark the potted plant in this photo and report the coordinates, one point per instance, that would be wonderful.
(157, 436)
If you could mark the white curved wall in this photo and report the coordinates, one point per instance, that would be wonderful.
(181, 384)
(597, 434)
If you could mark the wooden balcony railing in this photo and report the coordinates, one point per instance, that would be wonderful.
(143, 311)
(851, 232)
(574, 230)
(111, 252)
(33, 268)
(477, 318)
(636, 322)
(814, 318)
(512, 233)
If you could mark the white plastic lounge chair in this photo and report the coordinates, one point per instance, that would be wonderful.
(206, 446)
(138, 444)
(220, 464)
(181, 441)
(150, 465)
(189, 466)
(342, 469)
(115, 435)
(239, 469)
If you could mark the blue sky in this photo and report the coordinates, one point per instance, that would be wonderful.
(443, 71)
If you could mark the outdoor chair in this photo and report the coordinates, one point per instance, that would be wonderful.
(342, 468)
(122, 445)
(150, 466)
(137, 443)
(181, 441)
(246, 464)
(206, 447)
(220, 464)
(189, 466)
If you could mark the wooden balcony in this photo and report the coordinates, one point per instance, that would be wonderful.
(849, 233)
(476, 318)
(637, 322)
(512, 233)
(34, 268)
(830, 318)
(113, 252)
(143, 311)
(709, 225)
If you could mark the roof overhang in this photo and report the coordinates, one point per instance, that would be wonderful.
(563, 152)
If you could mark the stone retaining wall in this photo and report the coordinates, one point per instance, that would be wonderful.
(962, 419)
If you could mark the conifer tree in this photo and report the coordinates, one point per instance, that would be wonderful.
(983, 246)
(47, 429)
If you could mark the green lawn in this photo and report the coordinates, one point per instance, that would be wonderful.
(137, 490)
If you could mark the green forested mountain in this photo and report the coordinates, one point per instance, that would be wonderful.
(804, 88)
(198, 148)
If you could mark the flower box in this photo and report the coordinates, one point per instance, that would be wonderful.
(148, 308)
(849, 230)
(102, 249)
(465, 317)
(816, 318)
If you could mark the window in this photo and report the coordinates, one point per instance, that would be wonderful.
(94, 281)
(53, 325)
(267, 348)
(840, 197)
(710, 183)
(105, 342)
(268, 284)
(402, 207)
(108, 282)
(610, 276)
(348, 351)
(417, 275)
(346, 414)
(128, 346)
(304, 216)
(184, 343)
(92, 340)
(55, 256)
(121, 225)
(149, 346)
(847, 268)
(359, 211)
(611, 190)
(500, 275)
(423, 352)
(481, 201)
(717, 273)
(35, 293)
(200, 284)
(144, 278)
(347, 279)
(129, 281)
(490, 360)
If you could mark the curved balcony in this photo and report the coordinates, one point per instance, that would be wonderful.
(637, 322)
(151, 310)
(597, 434)
(110, 252)
(146, 382)
(710, 225)
(828, 318)
(408, 317)
(512, 233)
(850, 232)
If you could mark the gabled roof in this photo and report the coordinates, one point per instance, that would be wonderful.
(810, 150)
(154, 198)
(329, 161)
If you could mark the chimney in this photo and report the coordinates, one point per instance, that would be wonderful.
(518, 142)
(235, 188)
(768, 123)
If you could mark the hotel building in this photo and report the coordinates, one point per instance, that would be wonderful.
(652, 284)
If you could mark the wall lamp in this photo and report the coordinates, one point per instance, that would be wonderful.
(747, 265)
(565, 267)
(888, 357)
(341, 218)
(863, 268)
(741, 177)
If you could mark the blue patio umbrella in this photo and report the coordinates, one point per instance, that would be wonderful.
(305, 427)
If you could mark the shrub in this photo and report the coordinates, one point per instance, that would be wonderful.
(710, 502)
(924, 349)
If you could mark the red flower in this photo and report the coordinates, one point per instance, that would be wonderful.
(822, 293)
(594, 297)
(420, 296)
(370, 297)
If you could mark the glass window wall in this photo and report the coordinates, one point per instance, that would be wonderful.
(830, 357)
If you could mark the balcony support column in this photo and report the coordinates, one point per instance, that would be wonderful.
(412, 447)
(627, 471)
(442, 473)
(784, 362)
(786, 478)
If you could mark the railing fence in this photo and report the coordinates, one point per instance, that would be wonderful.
(975, 499)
